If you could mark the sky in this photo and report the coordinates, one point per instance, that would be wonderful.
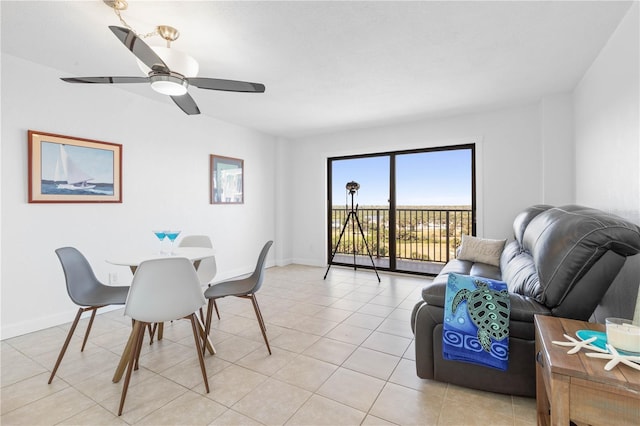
(422, 179)
(97, 163)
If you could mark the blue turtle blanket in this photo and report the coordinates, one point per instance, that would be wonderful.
(476, 321)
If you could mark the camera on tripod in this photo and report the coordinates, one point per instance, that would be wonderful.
(352, 217)
(352, 186)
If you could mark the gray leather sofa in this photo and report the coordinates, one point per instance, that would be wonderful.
(562, 263)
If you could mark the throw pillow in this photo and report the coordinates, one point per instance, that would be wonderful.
(481, 250)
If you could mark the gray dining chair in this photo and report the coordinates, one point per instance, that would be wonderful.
(207, 267)
(162, 290)
(86, 291)
(245, 288)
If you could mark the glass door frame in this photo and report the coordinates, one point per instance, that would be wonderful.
(392, 198)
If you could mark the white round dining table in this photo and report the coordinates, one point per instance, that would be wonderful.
(134, 258)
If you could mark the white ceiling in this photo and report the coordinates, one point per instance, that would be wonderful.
(332, 65)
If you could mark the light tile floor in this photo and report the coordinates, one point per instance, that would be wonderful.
(343, 353)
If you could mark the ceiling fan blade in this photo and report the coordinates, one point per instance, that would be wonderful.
(186, 103)
(226, 85)
(139, 48)
(105, 80)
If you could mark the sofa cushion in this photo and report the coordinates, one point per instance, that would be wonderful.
(481, 250)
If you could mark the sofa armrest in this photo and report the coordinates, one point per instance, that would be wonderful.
(523, 308)
(466, 267)
(458, 266)
(433, 293)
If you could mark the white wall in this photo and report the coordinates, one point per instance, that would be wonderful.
(284, 202)
(608, 127)
(558, 149)
(607, 131)
(166, 184)
(510, 163)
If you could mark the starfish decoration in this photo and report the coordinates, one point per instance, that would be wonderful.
(579, 344)
(616, 358)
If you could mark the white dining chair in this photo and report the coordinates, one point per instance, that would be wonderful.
(207, 267)
(162, 290)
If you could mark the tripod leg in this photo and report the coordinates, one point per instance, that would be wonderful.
(367, 247)
(346, 222)
(353, 240)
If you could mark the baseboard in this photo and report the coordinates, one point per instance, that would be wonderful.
(308, 262)
(37, 324)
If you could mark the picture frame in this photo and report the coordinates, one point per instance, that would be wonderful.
(67, 169)
(227, 180)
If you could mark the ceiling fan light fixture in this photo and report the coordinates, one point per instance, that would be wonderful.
(172, 77)
(171, 85)
(176, 60)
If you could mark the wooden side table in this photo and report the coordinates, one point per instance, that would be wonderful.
(576, 387)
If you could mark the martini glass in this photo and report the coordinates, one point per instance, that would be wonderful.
(172, 235)
(161, 236)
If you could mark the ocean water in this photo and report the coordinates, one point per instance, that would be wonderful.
(100, 189)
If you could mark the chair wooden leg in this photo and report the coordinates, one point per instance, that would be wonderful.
(66, 344)
(207, 326)
(86, 333)
(138, 328)
(258, 312)
(152, 332)
(138, 347)
(215, 305)
(196, 337)
(124, 358)
(263, 328)
(206, 340)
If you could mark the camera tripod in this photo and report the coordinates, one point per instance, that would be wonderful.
(353, 215)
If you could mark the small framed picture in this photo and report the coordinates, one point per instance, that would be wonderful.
(65, 169)
(227, 180)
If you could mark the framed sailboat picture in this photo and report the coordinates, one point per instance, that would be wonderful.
(65, 169)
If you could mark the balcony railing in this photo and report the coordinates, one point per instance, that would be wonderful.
(422, 234)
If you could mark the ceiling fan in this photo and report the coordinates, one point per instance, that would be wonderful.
(161, 77)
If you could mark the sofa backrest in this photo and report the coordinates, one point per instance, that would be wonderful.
(516, 264)
(523, 219)
(567, 254)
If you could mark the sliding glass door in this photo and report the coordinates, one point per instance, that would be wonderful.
(353, 236)
(408, 212)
